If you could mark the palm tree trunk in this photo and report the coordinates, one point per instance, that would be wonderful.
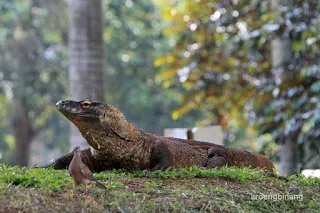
(86, 55)
(281, 53)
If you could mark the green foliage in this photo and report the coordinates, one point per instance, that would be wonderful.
(37, 178)
(132, 42)
(221, 54)
(243, 175)
(58, 179)
(32, 65)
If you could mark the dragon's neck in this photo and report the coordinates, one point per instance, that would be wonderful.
(111, 139)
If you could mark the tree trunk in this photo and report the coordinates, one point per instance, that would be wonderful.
(22, 133)
(86, 56)
(281, 53)
(289, 157)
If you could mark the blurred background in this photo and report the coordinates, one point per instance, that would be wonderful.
(251, 67)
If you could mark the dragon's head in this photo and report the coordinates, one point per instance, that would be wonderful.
(89, 115)
(80, 110)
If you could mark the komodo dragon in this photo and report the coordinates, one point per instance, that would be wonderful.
(118, 144)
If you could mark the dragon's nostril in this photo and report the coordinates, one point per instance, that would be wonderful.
(60, 103)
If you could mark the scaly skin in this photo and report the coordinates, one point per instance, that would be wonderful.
(118, 144)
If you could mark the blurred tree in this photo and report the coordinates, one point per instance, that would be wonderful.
(31, 59)
(222, 55)
(281, 55)
(291, 112)
(6, 140)
(86, 55)
(133, 38)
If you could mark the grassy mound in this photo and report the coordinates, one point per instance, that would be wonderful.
(179, 190)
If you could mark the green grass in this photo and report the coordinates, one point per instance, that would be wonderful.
(173, 190)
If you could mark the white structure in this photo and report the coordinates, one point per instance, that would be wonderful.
(211, 134)
(311, 173)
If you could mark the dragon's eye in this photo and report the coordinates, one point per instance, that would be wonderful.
(85, 104)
